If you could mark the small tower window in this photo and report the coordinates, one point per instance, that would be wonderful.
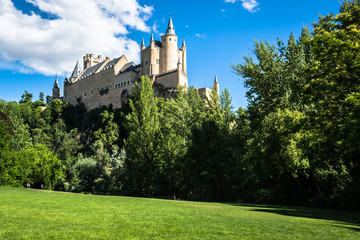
(169, 39)
(84, 94)
(128, 82)
(157, 61)
(91, 92)
(146, 62)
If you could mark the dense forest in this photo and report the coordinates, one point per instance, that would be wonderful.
(297, 142)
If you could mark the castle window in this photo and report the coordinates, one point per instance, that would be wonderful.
(128, 82)
(157, 61)
(122, 85)
(91, 92)
(84, 94)
(69, 99)
(146, 62)
(110, 86)
(169, 39)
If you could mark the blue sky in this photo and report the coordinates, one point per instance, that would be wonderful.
(42, 38)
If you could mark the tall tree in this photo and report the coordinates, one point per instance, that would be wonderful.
(143, 163)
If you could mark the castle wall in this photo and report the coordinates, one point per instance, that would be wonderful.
(102, 88)
(172, 79)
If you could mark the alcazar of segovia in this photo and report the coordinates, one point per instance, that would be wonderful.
(106, 81)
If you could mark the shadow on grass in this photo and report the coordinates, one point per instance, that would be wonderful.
(340, 217)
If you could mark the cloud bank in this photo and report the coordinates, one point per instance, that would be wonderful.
(52, 46)
(250, 5)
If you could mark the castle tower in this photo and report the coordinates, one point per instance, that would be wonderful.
(152, 48)
(183, 48)
(142, 60)
(169, 50)
(56, 89)
(216, 85)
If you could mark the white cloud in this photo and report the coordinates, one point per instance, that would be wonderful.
(201, 35)
(83, 26)
(250, 5)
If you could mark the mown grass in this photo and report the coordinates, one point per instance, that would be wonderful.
(36, 214)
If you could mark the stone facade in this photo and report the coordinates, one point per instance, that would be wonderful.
(106, 81)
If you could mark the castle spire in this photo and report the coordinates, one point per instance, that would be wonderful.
(56, 83)
(142, 46)
(183, 44)
(76, 71)
(152, 37)
(170, 30)
(216, 80)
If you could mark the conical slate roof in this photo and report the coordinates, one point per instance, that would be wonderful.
(170, 30)
(56, 83)
(216, 80)
(76, 71)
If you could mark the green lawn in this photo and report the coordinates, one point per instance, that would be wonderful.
(36, 214)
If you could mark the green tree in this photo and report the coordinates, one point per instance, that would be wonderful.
(142, 163)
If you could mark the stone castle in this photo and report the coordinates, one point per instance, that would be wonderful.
(106, 81)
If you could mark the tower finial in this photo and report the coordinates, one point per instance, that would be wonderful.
(216, 80)
(183, 44)
(143, 43)
(152, 37)
(170, 30)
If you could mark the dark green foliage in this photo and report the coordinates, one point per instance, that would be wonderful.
(143, 162)
(304, 113)
(85, 172)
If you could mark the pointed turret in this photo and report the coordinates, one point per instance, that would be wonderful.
(76, 71)
(56, 83)
(152, 41)
(56, 89)
(216, 85)
(170, 30)
(169, 49)
(183, 48)
(142, 46)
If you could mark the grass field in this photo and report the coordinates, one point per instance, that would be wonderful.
(36, 214)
